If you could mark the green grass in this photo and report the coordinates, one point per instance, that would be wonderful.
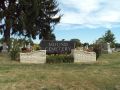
(102, 75)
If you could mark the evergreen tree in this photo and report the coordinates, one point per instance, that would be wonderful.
(109, 37)
(47, 21)
(29, 18)
(77, 42)
(9, 11)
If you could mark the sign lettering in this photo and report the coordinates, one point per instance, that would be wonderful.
(57, 47)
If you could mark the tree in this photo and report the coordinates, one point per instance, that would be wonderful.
(77, 42)
(42, 14)
(117, 45)
(109, 37)
(97, 49)
(52, 37)
(85, 44)
(9, 11)
(47, 21)
(100, 40)
(29, 18)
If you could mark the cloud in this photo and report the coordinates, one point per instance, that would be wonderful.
(91, 13)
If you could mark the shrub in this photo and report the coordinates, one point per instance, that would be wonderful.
(59, 59)
(36, 47)
(24, 49)
(97, 49)
(15, 51)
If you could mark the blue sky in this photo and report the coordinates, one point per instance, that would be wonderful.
(88, 20)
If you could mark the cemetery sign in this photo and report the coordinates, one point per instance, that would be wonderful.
(57, 47)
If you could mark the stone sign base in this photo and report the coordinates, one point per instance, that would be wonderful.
(35, 57)
(83, 56)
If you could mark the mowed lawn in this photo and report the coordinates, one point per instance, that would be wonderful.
(102, 75)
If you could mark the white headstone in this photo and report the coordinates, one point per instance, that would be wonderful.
(109, 49)
(86, 46)
(5, 47)
(28, 46)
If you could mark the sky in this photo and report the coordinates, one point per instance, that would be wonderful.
(88, 20)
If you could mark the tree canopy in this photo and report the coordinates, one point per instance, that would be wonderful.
(109, 37)
(77, 42)
(29, 18)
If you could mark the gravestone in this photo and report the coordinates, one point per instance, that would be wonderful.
(4, 48)
(105, 48)
(86, 47)
(29, 46)
(109, 49)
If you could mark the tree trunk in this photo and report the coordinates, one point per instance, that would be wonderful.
(7, 30)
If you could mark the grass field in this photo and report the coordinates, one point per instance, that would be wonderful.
(102, 75)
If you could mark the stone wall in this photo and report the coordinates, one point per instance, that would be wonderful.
(83, 56)
(33, 57)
